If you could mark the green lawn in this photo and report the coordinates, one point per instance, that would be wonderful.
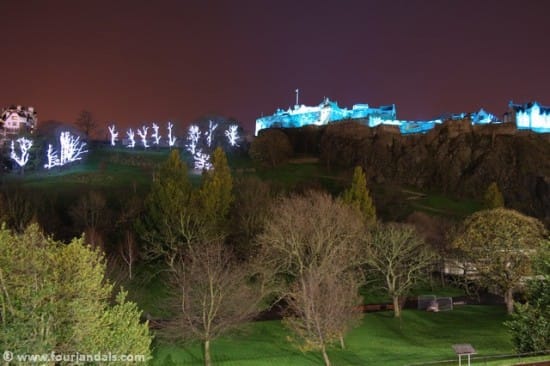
(380, 340)
(377, 295)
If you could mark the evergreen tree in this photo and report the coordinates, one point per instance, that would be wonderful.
(168, 221)
(54, 298)
(215, 196)
(493, 197)
(358, 196)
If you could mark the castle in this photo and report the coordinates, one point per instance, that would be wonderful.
(530, 116)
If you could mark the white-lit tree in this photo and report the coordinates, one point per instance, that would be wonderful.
(232, 134)
(114, 134)
(52, 156)
(143, 135)
(155, 134)
(72, 148)
(193, 135)
(202, 160)
(171, 139)
(131, 137)
(24, 145)
(211, 127)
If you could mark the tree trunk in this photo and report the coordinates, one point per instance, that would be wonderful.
(342, 344)
(396, 307)
(207, 360)
(509, 300)
(325, 356)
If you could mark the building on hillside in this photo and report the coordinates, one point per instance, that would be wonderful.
(17, 119)
(529, 116)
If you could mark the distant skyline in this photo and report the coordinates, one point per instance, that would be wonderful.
(134, 62)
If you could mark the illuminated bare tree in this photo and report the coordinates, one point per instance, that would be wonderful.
(193, 135)
(24, 145)
(143, 135)
(71, 148)
(114, 134)
(171, 139)
(202, 160)
(53, 158)
(131, 136)
(155, 134)
(211, 127)
(232, 135)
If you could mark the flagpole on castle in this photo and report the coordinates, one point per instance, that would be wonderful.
(297, 94)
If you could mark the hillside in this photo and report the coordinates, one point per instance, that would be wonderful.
(454, 158)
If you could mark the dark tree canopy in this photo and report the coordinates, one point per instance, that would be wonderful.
(271, 147)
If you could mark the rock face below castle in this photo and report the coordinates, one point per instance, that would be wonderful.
(457, 157)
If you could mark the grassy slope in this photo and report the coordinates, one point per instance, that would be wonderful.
(380, 340)
(115, 169)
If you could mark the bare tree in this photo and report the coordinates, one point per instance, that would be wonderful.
(17, 208)
(322, 308)
(130, 209)
(397, 254)
(216, 294)
(128, 251)
(91, 213)
(86, 123)
(249, 212)
(436, 233)
(314, 240)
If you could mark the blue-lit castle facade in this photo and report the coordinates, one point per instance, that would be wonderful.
(322, 114)
(530, 116)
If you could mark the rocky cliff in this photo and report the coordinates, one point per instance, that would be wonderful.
(455, 157)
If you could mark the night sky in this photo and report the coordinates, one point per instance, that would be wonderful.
(142, 61)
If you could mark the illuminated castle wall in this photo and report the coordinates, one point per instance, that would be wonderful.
(323, 114)
(529, 116)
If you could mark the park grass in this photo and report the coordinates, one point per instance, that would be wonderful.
(379, 340)
(436, 203)
(377, 295)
